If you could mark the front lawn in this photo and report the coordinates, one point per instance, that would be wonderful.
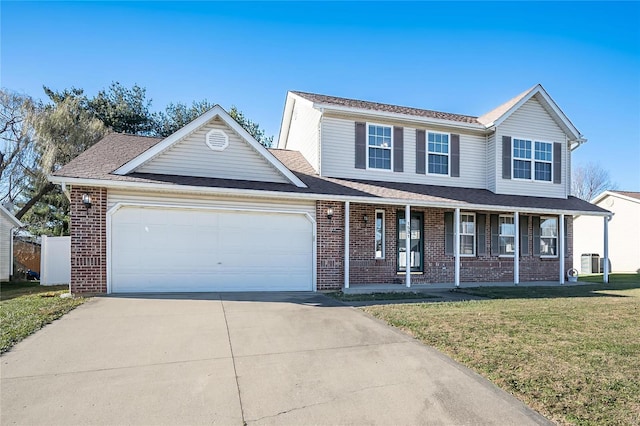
(572, 353)
(27, 307)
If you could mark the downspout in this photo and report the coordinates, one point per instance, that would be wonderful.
(320, 141)
(605, 266)
(65, 191)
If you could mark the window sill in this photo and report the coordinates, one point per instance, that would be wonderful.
(508, 256)
(412, 273)
(548, 257)
(379, 170)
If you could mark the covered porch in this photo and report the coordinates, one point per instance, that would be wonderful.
(450, 246)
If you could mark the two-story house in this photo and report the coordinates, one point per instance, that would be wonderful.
(356, 193)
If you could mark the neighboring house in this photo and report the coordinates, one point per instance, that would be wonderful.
(210, 209)
(624, 231)
(8, 223)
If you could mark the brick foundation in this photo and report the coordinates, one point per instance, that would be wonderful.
(88, 241)
(438, 267)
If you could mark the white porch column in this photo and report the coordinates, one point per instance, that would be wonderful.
(346, 244)
(456, 246)
(407, 243)
(516, 249)
(561, 248)
(605, 266)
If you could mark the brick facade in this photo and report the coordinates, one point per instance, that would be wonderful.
(330, 245)
(438, 267)
(88, 230)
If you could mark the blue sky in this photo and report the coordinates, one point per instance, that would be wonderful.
(454, 57)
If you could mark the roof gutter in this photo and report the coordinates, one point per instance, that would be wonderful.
(575, 144)
(308, 196)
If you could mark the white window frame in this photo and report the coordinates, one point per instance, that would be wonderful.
(375, 238)
(475, 229)
(438, 153)
(500, 235)
(542, 219)
(514, 158)
(390, 169)
(532, 160)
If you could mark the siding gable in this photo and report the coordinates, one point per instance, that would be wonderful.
(533, 121)
(192, 157)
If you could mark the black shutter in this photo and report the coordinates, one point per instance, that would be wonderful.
(535, 223)
(557, 162)
(481, 234)
(420, 152)
(495, 235)
(506, 157)
(455, 155)
(524, 235)
(566, 237)
(448, 233)
(361, 146)
(398, 149)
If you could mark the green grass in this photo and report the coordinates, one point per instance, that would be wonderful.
(571, 353)
(366, 297)
(27, 307)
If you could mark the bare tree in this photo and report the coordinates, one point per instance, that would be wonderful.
(590, 180)
(17, 155)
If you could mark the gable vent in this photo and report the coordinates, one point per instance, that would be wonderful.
(217, 140)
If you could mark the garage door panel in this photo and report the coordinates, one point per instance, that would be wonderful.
(173, 250)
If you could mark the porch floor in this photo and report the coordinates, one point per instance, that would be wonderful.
(425, 288)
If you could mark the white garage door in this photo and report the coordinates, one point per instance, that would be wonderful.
(180, 250)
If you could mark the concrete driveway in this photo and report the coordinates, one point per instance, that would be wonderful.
(233, 359)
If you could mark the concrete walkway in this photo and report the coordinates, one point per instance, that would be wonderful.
(232, 359)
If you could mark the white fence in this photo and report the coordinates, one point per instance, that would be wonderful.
(55, 260)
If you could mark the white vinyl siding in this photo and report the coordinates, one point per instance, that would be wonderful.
(192, 157)
(531, 121)
(175, 199)
(5, 248)
(304, 132)
(338, 157)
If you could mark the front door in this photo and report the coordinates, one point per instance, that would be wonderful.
(417, 242)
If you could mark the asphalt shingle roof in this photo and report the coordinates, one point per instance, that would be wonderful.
(375, 106)
(99, 161)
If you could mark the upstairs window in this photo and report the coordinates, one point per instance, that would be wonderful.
(521, 159)
(532, 160)
(438, 153)
(544, 161)
(379, 146)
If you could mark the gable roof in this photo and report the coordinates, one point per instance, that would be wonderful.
(217, 111)
(10, 216)
(627, 195)
(486, 121)
(498, 115)
(375, 106)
